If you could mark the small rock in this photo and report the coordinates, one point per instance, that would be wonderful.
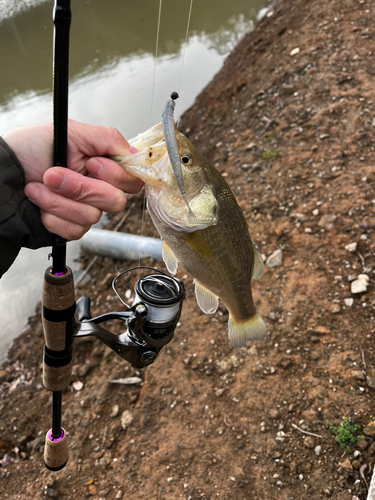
(309, 442)
(299, 216)
(351, 247)
(275, 259)
(349, 301)
(326, 222)
(52, 493)
(360, 284)
(358, 374)
(318, 450)
(369, 429)
(335, 308)
(118, 495)
(356, 464)
(83, 370)
(294, 51)
(93, 489)
(346, 464)
(315, 355)
(126, 419)
(77, 386)
(322, 330)
(285, 363)
(363, 445)
(127, 381)
(219, 392)
(274, 414)
(370, 378)
(222, 367)
(276, 454)
(371, 448)
(115, 411)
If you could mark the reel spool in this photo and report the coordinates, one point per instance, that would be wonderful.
(162, 295)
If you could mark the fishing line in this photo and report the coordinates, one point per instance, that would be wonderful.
(150, 124)
(155, 62)
(184, 49)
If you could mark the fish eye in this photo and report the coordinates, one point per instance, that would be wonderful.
(187, 159)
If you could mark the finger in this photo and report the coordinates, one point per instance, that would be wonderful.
(109, 171)
(96, 140)
(84, 189)
(61, 227)
(59, 206)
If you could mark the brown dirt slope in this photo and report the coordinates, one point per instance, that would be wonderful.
(289, 121)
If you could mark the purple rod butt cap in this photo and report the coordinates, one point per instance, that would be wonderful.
(55, 440)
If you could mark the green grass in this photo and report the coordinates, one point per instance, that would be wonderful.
(267, 154)
(344, 433)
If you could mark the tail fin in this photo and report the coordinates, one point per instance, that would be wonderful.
(240, 332)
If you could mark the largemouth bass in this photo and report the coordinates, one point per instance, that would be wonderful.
(204, 231)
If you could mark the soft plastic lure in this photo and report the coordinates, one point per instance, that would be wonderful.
(171, 143)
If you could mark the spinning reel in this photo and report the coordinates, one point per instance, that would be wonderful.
(150, 321)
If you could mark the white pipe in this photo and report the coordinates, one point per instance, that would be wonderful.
(121, 245)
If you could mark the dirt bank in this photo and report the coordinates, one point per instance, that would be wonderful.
(289, 121)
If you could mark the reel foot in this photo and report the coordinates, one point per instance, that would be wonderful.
(55, 451)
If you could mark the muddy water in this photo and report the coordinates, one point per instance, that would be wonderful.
(115, 80)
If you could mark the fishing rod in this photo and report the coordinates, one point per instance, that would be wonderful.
(150, 321)
(58, 302)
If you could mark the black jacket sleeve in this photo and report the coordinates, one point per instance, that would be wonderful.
(20, 223)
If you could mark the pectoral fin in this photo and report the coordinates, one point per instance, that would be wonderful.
(206, 300)
(169, 258)
(199, 245)
(258, 268)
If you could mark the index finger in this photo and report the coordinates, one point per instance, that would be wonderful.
(109, 171)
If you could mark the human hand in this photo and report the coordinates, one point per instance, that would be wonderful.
(72, 199)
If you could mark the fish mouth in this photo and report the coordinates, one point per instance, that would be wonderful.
(151, 159)
(151, 137)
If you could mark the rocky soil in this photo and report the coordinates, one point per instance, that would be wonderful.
(289, 121)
